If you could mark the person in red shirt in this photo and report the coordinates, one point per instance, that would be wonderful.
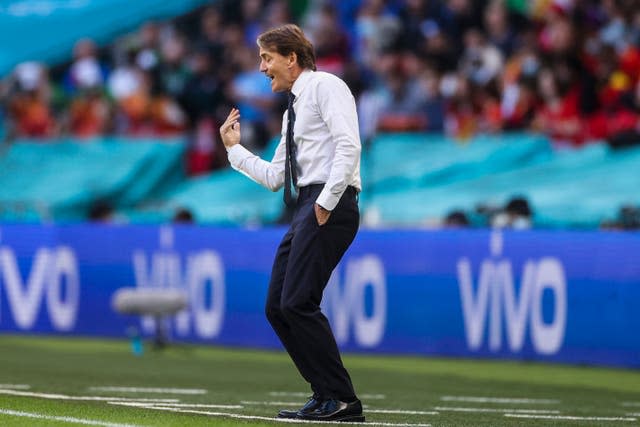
(558, 114)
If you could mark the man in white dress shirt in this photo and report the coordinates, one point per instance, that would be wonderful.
(320, 152)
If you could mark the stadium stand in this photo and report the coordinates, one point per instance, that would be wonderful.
(493, 99)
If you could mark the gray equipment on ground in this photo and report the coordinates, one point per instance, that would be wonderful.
(156, 302)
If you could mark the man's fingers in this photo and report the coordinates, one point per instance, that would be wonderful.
(232, 119)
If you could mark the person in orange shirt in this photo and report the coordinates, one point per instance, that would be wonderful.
(89, 114)
(29, 111)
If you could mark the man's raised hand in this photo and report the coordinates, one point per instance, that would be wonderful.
(230, 129)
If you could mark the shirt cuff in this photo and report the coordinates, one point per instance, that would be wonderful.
(328, 200)
(236, 154)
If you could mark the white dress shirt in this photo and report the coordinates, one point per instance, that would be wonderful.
(326, 136)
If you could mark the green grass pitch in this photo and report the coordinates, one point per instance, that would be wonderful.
(46, 381)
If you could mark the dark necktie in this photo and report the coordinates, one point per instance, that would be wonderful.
(290, 167)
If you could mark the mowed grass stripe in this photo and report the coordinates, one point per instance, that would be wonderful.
(399, 411)
(271, 419)
(270, 403)
(15, 386)
(569, 417)
(410, 385)
(71, 420)
(630, 403)
(480, 410)
(306, 394)
(149, 390)
(367, 410)
(57, 396)
(197, 405)
(487, 399)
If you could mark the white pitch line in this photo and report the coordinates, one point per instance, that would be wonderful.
(138, 399)
(633, 414)
(150, 390)
(16, 386)
(253, 402)
(62, 419)
(281, 420)
(67, 397)
(400, 411)
(569, 417)
(630, 403)
(524, 411)
(197, 405)
(302, 394)
(484, 399)
(131, 404)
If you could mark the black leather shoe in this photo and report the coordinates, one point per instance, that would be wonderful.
(314, 403)
(335, 410)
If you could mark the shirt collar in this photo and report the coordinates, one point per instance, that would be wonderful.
(301, 82)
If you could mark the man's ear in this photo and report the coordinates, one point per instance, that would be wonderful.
(292, 59)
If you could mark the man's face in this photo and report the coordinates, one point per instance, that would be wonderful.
(278, 68)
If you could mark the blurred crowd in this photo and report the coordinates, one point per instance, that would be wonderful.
(568, 68)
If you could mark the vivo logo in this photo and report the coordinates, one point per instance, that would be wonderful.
(346, 305)
(200, 275)
(495, 299)
(53, 276)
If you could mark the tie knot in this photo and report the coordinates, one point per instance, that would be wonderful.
(292, 98)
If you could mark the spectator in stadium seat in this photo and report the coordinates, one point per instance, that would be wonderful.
(498, 27)
(412, 14)
(437, 47)
(89, 113)
(320, 152)
(398, 107)
(211, 35)
(86, 69)
(559, 112)
(433, 105)
(29, 110)
(147, 46)
(518, 99)
(128, 85)
(480, 62)
(376, 30)
(173, 73)
(456, 219)
(624, 125)
(601, 40)
(101, 211)
(277, 13)
(458, 16)
(251, 15)
(133, 109)
(165, 116)
(203, 97)
(471, 108)
(330, 40)
(183, 216)
(516, 214)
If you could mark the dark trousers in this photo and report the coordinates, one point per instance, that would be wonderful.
(303, 264)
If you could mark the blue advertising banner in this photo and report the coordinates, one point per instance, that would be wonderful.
(556, 296)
